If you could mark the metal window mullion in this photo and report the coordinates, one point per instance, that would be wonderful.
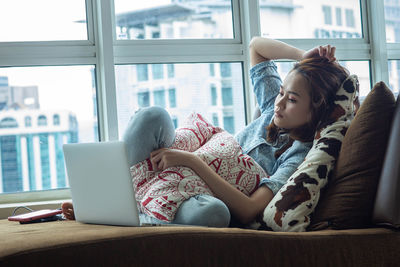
(250, 19)
(105, 74)
(236, 23)
(42, 53)
(90, 21)
(377, 38)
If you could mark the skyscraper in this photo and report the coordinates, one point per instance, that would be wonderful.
(31, 141)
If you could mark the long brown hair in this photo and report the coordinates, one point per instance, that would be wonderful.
(324, 79)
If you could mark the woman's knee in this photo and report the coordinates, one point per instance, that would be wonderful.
(203, 210)
(149, 129)
(153, 115)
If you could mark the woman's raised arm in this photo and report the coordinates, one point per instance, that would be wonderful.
(262, 49)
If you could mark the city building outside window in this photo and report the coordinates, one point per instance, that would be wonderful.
(8, 123)
(42, 120)
(158, 72)
(171, 70)
(215, 119)
(142, 72)
(338, 16)
(56, 119)
(226, 70)
(229, 124)
(143, 99)
(28, 121)
(227, 97)
(175, 122)
(349, 18)
(172, 97)
(327, 15)
(159, 97)
(212, 69)
(214, 96)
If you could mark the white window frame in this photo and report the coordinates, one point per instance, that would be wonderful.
(103, 51)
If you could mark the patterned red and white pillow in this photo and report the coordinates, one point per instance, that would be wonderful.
(160, 193)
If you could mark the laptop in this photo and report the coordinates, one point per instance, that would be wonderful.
(101, 184)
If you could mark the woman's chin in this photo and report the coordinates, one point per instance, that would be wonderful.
(278, 123)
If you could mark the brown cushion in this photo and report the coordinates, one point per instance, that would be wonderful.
(348, 200)
(387, 209)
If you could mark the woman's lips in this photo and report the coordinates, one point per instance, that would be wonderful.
(277, 114)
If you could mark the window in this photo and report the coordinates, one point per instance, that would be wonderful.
(171, 70)
(8, 123)
(159, 97)
(142, 74)
(32, 157)
(212, 69)
(226, 70)
(96, 84)
(302, 19)
(227, 97)
(215, 119)
(172, 97)
(143, 99)
(327, 14)
(338, 16)
(392, 12)
(214, 96)
(229, 124)
(56, 119)
(158, 72)
(394, 76)
(30, 20)
(28, 121)
(173, 20)
(175, 122)
(42, 120)
(350, 18)
(191, 81)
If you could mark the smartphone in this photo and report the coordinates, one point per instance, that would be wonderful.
(35, 216)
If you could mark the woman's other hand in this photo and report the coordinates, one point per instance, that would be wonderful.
(164, 158)
(326, 51)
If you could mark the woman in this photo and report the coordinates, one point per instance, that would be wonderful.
(278, 140)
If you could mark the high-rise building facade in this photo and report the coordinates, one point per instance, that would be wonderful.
(31, 141)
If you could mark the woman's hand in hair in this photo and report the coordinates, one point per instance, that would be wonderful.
(326, 51)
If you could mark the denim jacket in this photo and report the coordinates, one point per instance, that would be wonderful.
(266, 84)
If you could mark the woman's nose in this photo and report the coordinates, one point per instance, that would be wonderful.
(281, 103)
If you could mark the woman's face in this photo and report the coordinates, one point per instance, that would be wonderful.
(292, 105)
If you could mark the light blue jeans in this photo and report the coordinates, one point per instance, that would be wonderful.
(150, 129)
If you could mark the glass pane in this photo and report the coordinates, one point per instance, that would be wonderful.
(394, 75)
(44, 20)
(392, 13)
(173, 19)
(310, 19)
(360, 68)
(191, 89)
(42, 108)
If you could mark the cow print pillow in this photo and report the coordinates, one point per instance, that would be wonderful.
(291, 207)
